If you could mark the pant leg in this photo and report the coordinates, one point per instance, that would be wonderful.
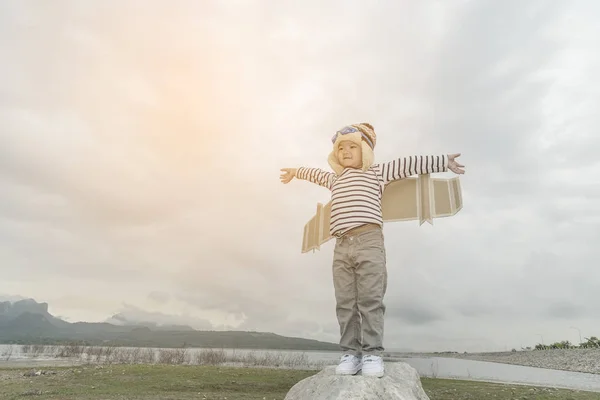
(371, 273)
(344, 282)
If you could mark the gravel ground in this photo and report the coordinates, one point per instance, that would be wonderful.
(576, 360)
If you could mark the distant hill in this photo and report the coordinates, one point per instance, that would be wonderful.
(29, 322)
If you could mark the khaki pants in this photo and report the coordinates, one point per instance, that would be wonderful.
(360, 282)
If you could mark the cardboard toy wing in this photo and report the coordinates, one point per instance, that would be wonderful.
(417, 198)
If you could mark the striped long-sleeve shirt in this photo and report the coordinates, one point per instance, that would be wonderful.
(356, 194)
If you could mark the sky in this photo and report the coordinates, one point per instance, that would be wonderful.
(141, 145)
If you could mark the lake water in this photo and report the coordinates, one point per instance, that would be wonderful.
(440, 367)
(503, 373)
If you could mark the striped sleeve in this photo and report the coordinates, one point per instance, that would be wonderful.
(414, 165)
(316, 175)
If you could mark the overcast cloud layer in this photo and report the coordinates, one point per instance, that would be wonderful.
(140, 148)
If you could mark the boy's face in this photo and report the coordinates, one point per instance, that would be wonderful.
(349, 154)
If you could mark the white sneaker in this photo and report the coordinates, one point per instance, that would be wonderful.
(349, 365)
(372, 366)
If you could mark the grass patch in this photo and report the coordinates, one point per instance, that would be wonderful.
(160, 381)
(447, 389)
(150, 382)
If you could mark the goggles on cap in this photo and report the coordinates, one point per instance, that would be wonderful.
(350, 129)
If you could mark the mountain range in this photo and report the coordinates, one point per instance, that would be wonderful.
(25, 321)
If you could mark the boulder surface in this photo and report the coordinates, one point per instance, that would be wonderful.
(400, 382)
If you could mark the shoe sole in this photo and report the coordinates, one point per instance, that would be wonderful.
(347, 372)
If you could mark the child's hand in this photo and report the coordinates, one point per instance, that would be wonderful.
(453, 165)
(288, 175)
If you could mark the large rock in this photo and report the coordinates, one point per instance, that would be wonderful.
(400, 382)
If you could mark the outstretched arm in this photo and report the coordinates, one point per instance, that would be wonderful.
(418, 165)
(314, 175)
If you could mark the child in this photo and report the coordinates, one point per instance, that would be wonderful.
(359, 262)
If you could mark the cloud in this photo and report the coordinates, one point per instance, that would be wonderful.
(132, 314)
(414, 314)
(564, 309)
(159, 297)
(139, 157)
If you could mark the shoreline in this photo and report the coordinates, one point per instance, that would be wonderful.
(573, 360)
